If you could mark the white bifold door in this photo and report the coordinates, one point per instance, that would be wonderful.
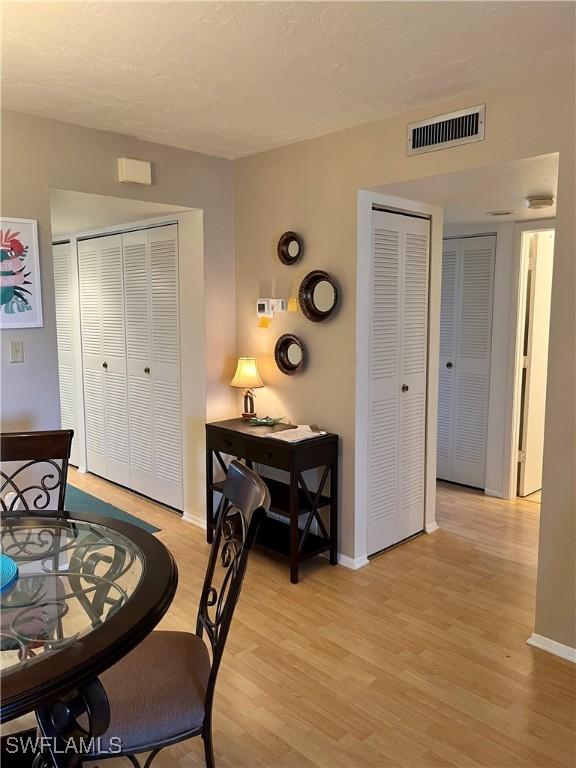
(153, 362)
(104, 357)
(464, 373)
(398, 377)
(131, 360)
(66, 327)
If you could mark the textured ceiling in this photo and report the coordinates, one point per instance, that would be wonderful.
(235, 78)
(467, 196)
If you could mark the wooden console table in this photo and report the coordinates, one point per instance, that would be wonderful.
(293, 500)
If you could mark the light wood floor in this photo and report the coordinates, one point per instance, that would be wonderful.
(420, 659)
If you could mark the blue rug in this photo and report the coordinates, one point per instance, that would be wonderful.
(80, 501)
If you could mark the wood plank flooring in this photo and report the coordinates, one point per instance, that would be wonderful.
(418, 660)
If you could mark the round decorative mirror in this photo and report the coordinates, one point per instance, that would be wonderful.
(318, 295)
(290, 354)
(290, 248)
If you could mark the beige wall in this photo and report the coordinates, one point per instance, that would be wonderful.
(312, 187)
(556, 592)
(40, 154)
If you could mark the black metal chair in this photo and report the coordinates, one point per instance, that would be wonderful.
(163, 691)
(33, 470)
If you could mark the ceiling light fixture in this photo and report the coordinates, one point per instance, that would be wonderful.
(536, 202)
(500, 213)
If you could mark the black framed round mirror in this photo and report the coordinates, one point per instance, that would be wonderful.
(290, 248)
(290, 354)
(318, 295)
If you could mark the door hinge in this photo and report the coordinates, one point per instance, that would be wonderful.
(525, 361)
(531, 261)
(521, 456)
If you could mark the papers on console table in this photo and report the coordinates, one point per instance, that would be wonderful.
(301, 432)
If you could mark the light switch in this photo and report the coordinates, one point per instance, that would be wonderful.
(17, 351)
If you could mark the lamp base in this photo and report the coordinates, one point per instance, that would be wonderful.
(249, 411)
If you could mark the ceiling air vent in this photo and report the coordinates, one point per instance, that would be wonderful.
(443, 131)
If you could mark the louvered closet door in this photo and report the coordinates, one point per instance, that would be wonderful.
(66, 334)
(153, 354)
(138, 359)
(397, 396)
(104, 357)
(464, 425)
(446, 371)
(413, 358)
(165, 339)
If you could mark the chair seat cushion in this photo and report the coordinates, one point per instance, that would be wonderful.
(156, 692)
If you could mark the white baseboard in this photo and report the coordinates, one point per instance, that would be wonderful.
(200, 522)
(492, 492)
(82, 470)
(353, 563)
(431, 527)
(558, 649)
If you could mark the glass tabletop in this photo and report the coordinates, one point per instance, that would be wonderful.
(73, 576)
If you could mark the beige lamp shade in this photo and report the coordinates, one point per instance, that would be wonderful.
(247, 376)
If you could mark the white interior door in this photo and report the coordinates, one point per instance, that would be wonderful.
(153, 362)
(446, 371)
(536, 363)
(66, 329)
(138, 357)
(104, 357)
(397, 396)
(165, 338)
(465, 344)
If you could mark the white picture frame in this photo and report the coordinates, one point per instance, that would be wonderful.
(20, 284)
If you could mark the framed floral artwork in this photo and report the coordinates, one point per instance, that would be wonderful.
(20, 289)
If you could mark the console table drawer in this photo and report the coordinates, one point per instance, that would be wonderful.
(232, 445)
(277, 456)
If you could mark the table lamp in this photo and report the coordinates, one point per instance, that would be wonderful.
(247, 378)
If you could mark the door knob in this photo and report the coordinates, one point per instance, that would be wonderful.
(448, 365)
(405, 387)
(104, 364)
(146, 370)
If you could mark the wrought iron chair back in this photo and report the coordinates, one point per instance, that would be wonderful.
(245, 501)
(33, 470)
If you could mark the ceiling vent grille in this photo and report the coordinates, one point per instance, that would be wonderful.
(449, 130)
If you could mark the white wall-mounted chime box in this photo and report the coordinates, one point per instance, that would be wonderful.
(133, 171)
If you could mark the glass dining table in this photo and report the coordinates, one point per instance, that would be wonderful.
(86, 591)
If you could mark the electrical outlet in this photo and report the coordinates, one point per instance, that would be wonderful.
(17, 351)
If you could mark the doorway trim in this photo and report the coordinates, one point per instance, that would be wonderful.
(366, 201)
(515, 358)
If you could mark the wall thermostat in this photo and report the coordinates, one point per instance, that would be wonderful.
(263, 308)
(267, 307)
